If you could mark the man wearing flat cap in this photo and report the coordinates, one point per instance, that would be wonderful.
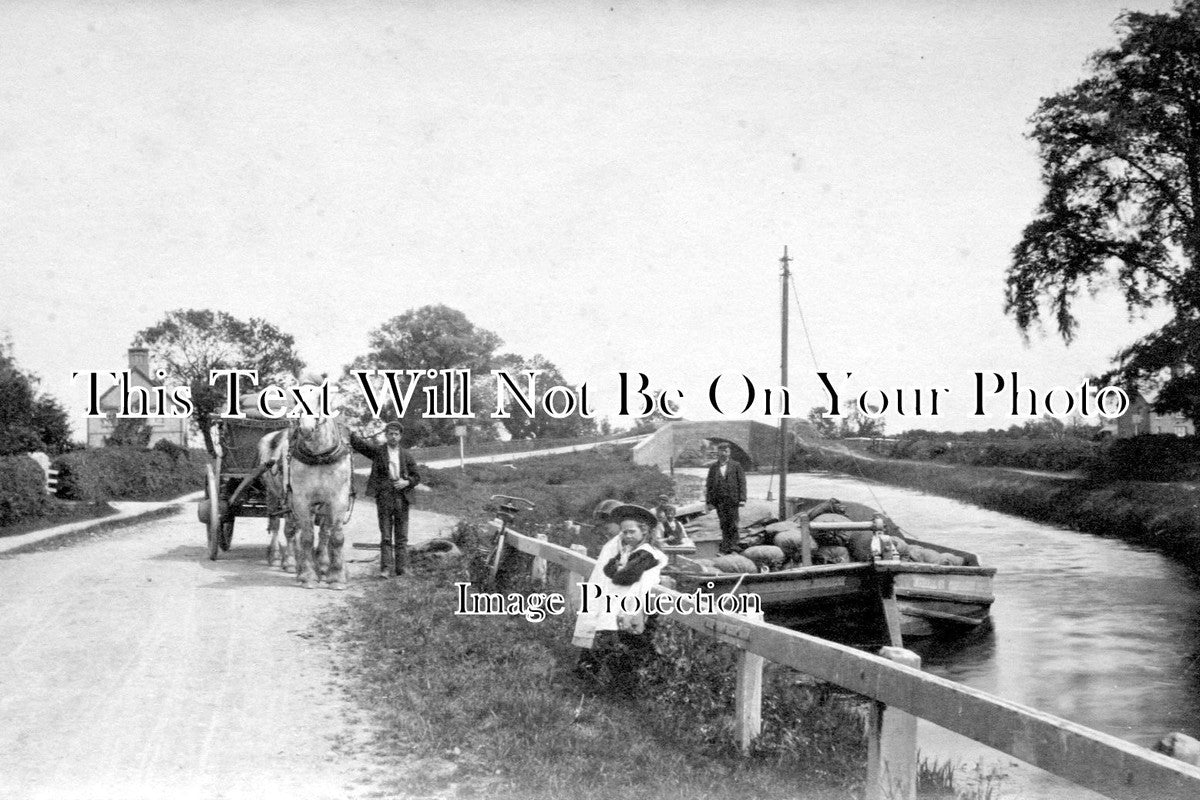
(393, 476)
(725, 490)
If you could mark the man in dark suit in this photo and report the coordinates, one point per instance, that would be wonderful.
(725, 490)
(393, 476)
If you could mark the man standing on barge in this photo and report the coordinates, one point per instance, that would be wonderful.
(725, 490)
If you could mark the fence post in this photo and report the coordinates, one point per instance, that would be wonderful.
(892, 743)
(538, 570)
(494, 567)
(748, 694)
(573, 580)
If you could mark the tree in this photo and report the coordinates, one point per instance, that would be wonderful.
(28, 420)
(824, 426)
(1120, 158)
(541, 425)
(656, 418)
(856, 423)
(189, 343)
(129, 432)
(1048, 427)
(49, 421)
(432, 337)
(852, 422)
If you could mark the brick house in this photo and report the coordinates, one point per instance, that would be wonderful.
(174, 429)
(1141, 418)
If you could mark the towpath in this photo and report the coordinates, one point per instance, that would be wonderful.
(134, 667)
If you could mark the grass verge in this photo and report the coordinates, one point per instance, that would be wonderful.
(58, 513)
(566, 486)
(489, 707)
(91, 533)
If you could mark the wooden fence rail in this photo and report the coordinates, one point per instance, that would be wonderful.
(1097, 761)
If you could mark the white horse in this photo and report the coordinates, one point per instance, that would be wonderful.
(319, 473)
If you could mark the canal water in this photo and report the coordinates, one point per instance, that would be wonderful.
(1094, 630)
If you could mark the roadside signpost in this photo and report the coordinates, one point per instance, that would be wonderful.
(461, 432)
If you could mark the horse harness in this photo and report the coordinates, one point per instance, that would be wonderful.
(331, 455)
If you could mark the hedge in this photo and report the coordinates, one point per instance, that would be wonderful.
(1061, 455)
(1157, 457)
(121, 473)
(22, 490)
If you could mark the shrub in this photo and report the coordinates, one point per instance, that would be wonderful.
(1044, 454)
(129, 432)
(174, 451)
(807, 724)
(22, 490)
(1062, 454)
(122, 473)
(1159, 457)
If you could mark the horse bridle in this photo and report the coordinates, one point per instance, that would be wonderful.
(336, 452)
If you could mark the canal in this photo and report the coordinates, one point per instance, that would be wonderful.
(1091, 629)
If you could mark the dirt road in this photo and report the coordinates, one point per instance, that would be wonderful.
(134, 667)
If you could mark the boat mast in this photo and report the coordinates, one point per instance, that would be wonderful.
(784, 277)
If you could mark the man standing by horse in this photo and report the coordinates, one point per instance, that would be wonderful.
(393, 476)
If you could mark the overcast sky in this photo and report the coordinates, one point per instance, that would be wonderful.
(609, 185)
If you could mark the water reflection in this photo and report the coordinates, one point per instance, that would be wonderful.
(967, 659)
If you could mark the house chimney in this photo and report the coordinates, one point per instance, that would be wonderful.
(139, 358)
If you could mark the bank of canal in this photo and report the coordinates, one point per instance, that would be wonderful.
(1097, 630)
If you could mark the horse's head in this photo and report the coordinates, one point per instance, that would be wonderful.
(317, 434)
(310, 398)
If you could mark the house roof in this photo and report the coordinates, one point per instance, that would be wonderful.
(111, 399)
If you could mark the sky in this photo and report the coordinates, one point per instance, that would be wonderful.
(610, 185)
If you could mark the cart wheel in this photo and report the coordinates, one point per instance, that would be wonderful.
(214, 514)
(227, 533)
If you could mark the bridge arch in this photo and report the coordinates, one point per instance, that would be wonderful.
(754, 444)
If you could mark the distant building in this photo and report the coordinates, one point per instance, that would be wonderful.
(1141, 418)
(174, 429)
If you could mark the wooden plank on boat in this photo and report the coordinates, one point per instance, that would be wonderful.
(844, 526)
(918, 568)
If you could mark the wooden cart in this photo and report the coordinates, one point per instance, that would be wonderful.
(233, 487)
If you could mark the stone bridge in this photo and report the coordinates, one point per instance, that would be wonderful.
(753, 443)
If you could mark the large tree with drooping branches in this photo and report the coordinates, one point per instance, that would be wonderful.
(1120, 155)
